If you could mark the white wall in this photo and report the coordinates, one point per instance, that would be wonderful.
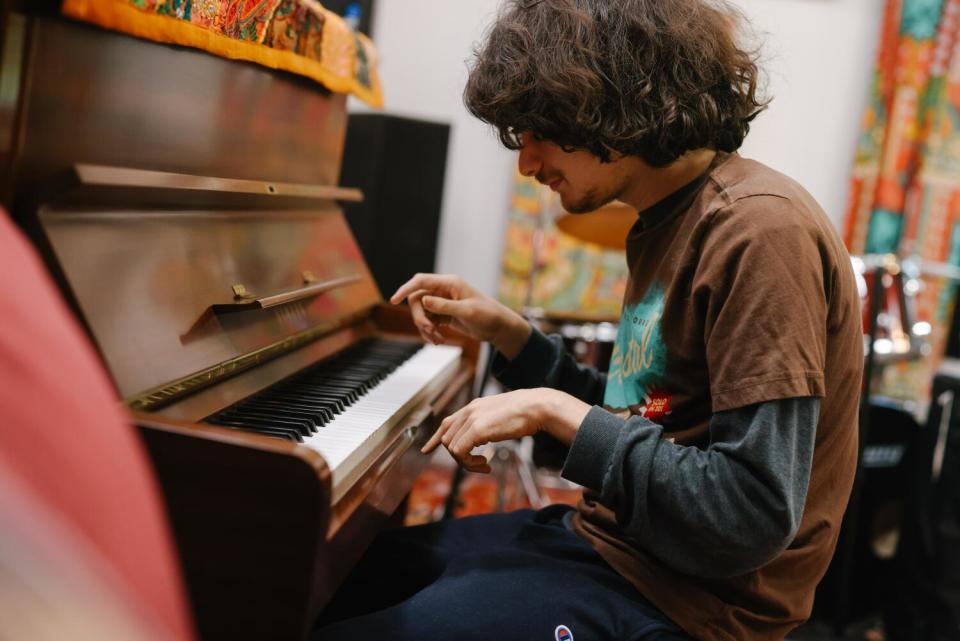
(818, 55)
(424, 46)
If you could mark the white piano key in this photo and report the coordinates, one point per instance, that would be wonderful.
(343, 437)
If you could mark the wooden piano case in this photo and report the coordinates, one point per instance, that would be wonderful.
(261, 547)
(187, 207)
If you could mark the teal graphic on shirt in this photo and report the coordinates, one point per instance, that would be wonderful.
(639, 356)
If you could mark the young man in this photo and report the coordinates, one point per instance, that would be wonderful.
(719, 451)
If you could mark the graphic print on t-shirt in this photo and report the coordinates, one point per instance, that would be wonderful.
(639, 360)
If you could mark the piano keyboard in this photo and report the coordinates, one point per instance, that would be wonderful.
(339, 406)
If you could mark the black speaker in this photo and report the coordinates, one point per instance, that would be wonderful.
(360, 10)
(399, 163)
(953, 333)
(885, 469)
(924, 599)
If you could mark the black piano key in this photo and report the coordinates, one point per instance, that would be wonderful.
(300, 405)
(370, 358)
(289, 416)
(347, 377)
(376, 371)
(293, 393)
(333, 385)
(359, 386)
(349, 396)
(320, 413)
(284, 410)
(332, 381)
(329, 409)
(366, 364)
(266, 421)
(304, 427)
(290, 435)
(371, 369)
(335, 401)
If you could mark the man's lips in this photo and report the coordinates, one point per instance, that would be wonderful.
(552, 183)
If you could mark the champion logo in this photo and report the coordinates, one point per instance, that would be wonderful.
(563, 633)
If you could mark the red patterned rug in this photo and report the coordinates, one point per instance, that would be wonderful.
(500, 491)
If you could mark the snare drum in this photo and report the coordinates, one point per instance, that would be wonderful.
(590, 340)
(896, 310)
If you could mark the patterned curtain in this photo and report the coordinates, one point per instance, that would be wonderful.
(905, 193)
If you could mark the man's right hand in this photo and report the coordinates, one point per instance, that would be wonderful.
(442, 299)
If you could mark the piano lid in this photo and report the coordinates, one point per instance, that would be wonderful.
(177, 299)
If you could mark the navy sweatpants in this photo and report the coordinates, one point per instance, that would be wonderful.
(516, 576)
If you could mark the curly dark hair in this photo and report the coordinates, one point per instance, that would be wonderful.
(648, 78)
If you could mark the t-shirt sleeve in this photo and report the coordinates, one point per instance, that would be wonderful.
(761, 290)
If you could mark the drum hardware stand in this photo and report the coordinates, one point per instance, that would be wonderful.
(506, 451)
(879, 267)
(849, 524)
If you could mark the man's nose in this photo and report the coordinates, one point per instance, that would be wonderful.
(529, 162)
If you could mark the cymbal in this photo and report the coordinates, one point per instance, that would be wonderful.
(554, 317)
(910, 265)
(607, 226)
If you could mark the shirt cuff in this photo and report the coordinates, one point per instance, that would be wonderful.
(592, 450)
(530, 367)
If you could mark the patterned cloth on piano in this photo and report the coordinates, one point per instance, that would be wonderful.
(298, 36)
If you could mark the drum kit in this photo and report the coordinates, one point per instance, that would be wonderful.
(889, 287)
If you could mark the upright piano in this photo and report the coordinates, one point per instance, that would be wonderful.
(187, 206)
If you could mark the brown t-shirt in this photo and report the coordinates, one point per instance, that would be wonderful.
(740, 293)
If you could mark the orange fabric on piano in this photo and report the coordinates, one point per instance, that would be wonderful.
(63, 432)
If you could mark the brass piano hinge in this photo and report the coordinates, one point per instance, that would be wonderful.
(240, 292)
(165, 394)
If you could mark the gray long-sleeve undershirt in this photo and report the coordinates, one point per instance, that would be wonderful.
(714, 512)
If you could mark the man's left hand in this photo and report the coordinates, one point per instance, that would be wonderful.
(506, 416)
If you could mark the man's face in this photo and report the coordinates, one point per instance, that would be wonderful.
(583, 182)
